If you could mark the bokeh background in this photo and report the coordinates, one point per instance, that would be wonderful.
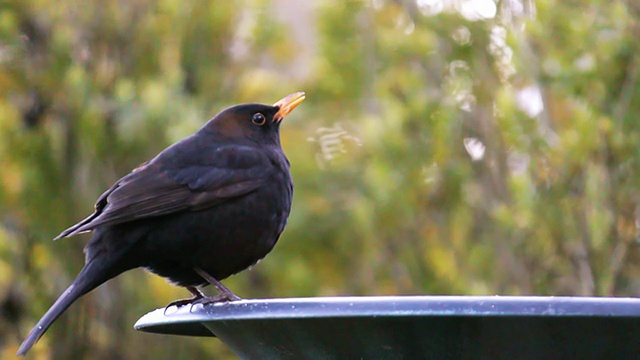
(445, 147)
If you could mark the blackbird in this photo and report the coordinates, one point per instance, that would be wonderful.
(203, 209)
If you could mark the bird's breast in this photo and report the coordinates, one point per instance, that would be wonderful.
(224, 239)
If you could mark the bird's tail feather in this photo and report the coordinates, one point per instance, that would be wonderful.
(91, 276)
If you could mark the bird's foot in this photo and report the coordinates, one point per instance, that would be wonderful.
(220, 298)
(197, 295)
(216, 299)
(181, 303)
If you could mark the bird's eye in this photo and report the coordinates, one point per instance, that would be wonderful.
(258, 119)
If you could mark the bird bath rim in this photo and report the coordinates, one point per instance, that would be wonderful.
(174, 320)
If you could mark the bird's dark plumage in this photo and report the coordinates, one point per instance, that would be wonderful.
(203, 209)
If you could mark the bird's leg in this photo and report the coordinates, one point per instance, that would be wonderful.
(197, 295)
(224, 293)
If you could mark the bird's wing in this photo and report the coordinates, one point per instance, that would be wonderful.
(153, 189)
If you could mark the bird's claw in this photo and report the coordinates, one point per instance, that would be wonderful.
(220, 298)
(182, 302)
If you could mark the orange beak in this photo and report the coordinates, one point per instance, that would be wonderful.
(287, 105)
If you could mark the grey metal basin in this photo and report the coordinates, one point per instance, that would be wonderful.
(414, 327)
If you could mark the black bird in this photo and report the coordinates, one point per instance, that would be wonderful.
(203, 209)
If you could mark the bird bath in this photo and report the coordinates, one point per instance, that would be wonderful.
(413, 327)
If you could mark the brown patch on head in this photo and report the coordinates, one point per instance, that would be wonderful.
(239, 121)
(230, 125)
(236, 122)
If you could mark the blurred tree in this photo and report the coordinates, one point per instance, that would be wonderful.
(467, 147)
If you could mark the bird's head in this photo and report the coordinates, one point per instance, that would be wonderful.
(254, 122)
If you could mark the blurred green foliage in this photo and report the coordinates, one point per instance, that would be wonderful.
(445, 147)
